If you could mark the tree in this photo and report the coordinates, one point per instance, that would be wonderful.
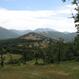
(60, 48)
(76, 47)
(76, 21)
(2, 56)
(36, 57)
(76, 16)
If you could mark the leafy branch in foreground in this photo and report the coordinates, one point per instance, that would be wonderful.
(76, 16)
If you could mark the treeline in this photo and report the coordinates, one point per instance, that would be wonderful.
(51, 52)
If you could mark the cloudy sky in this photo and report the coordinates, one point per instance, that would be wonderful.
(33, 14)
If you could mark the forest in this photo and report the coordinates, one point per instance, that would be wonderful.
(34, 56)
(48, 51)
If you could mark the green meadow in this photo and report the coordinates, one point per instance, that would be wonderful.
(66, 70)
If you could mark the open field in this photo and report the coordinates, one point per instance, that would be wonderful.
(67, 70)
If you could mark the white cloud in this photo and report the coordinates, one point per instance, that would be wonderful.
(23, 19)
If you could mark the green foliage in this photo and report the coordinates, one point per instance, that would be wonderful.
(73, 1)
(76, 16)
(54, 51)
(63, 0)
(66, 70)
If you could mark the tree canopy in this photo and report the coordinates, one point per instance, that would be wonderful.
(76, 16)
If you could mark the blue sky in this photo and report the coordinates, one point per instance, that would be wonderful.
(31, 4)
(33, 14)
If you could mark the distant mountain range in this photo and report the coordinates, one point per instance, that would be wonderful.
(6, 34)
(21, 32)
(56, 35)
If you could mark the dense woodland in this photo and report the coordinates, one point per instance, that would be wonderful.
(38, 56)
(48, 51)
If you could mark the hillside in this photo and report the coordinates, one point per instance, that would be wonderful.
(34, 36)
(21, 32)
(51, 34)
(68, 37)
(28, 41)
(36, 39)
(56, 35)
(5, 34)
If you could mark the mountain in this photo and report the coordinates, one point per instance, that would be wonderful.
(34, 36)
(5, 33)
(47, 32)
(43, 30)
(21, 32)
(56, 35)
(35, 39)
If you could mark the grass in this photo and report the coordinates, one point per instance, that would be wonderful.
(66, 70)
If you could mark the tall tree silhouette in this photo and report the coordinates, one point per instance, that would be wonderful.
(76, 16)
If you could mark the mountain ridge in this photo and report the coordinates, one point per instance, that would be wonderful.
(47, 32)
(6, 34)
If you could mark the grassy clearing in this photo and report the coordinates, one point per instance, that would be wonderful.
(67, 70)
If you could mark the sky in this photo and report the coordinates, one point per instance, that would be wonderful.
(33, 14)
